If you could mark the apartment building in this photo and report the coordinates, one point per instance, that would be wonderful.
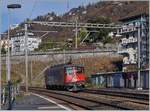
(18, 43)
(128, 45)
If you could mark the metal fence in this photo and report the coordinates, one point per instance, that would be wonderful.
(8, 95)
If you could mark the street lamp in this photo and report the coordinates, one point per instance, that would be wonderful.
(11, 6)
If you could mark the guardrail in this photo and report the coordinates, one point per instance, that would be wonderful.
(8, 95)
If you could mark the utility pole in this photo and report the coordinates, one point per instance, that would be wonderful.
(9, 64)
(64, 56)
(11, 6)
(139, 59)
(93, 60)
(8, 50)
(26, 56)
(76, 35)
(31, 74)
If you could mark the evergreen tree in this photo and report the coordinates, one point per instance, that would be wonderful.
(3, 50)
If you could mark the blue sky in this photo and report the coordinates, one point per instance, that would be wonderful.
(41, 7)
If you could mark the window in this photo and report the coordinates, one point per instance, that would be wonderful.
(69, 70)
(72, 70)
(79, 69)
(127, 36)
(34, 41)
(133, 35)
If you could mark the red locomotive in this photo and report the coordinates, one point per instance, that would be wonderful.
(65, 76)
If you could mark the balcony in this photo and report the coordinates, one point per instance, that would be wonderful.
(133, 61)
(122, 50)
(126, 60)
(129, 40)
(128, 28)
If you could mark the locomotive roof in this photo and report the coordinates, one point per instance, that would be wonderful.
(66, 65)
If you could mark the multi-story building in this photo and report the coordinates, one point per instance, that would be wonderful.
(18, 43)
(134, 31)
(129, 40)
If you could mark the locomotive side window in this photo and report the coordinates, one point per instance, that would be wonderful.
(80, 70)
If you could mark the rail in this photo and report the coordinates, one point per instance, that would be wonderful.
(89, 101)
(118, 93)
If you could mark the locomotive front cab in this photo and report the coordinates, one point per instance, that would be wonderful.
(80, 73)
(75, 77)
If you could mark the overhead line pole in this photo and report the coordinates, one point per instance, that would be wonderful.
(31, 73)
(9, 64)
(8, 50)
(139, 59)
(76, 35)
(26, 56)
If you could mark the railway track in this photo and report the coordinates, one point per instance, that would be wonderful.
(133, 95)
(119, 97)
(91, 101)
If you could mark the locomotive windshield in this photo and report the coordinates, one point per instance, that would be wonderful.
(71, 70)
(80, 69)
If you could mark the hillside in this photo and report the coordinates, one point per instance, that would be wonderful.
(113, 10)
